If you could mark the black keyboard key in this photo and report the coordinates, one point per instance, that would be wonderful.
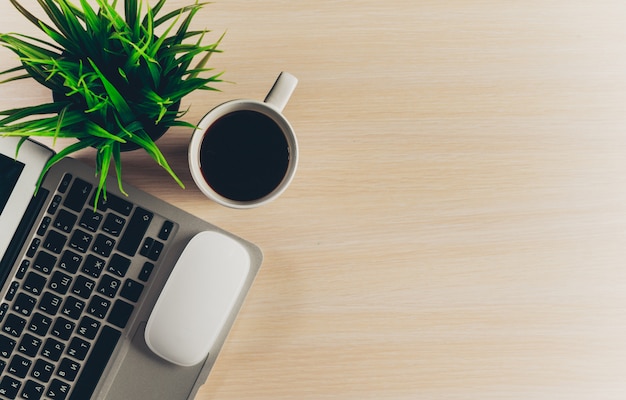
(73, 307)
(96, 363)
(155, 251)
(7, 345)
(40, 324)
(113, 224)
(80, 240)
(54, 204)
(34, 245)
(14, 325)
(34, 283)
(24, 304)
(68, 369)
(58, 390)
(131, 290)
(166, 230)
(118, 265)
(70, 261)
(9, 387)
(90, 220)
(93, 266)
(109, 286)
(32, 390)
(12, 291)
(42, 370)
(44, 262)
(65, 221)
(136, 229)
(98, 307)
(30, 345)
(146, 246)
(146, 271)
(65, 183)
(55, 242)
(120, 313)
(114, 203)
(43, 227)
(52, 349)
(21, 271)
(83, 287)
(78, 194)
(19, 366)
(60, 282)
(78, 348)
(63, 328)
(88, 327)
(4, 308)
(103, 245)
(50, 303)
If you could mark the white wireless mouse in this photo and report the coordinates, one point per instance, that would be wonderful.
(197, 298)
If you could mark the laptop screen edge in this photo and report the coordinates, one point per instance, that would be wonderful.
(33, 156)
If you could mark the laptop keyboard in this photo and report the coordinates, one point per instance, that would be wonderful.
(74, 292)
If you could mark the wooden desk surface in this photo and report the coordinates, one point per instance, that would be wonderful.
(457, 226)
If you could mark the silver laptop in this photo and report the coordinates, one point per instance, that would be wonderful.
(87, 293)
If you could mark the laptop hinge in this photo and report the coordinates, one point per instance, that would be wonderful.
(21, 234)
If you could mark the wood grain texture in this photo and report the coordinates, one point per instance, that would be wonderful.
(457, 226)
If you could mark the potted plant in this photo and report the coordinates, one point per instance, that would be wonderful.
(116, 83)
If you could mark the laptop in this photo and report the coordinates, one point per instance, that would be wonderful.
(80, 284)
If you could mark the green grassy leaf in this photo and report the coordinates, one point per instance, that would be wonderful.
(16, 114)
(96, 130)
(90, 17)
(155, 10)
(104, 155)
(116, 97)
(117, 158)
(131, 12)
(56, 16)
(75, 31)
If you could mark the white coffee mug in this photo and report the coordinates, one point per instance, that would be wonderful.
(244, 153)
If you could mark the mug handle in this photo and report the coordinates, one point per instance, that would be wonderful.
(281, 91)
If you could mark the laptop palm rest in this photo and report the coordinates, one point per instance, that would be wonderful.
(144, 375)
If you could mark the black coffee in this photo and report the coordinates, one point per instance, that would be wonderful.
(244, 155)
